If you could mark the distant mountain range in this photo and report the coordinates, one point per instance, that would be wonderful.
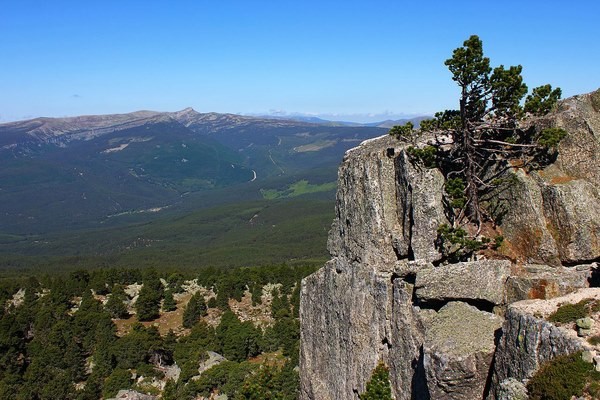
(62, 175)
(315, 120)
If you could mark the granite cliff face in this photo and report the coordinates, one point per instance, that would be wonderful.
(386, 295)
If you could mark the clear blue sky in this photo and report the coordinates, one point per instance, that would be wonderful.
(332, 58)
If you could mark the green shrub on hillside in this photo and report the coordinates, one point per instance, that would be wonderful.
(569, 312)
(378, 387)
(195, 309)
(563, 377)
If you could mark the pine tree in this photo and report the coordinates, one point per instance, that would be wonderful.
(475, 143)
(148, 302)
(115, 304)
(195, 309)
(169, 303)
(378, 387)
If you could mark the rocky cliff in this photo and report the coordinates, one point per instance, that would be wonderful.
(386, 295)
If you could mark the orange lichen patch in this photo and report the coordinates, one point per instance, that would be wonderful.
(538, 291)
(544, 290)
(516, 163)
(559, 180)
(525, 242)
(507, 250)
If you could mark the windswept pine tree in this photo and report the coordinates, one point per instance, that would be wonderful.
(486, 136)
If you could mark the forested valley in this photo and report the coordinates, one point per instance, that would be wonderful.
(87, 334)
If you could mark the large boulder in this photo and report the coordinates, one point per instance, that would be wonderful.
(477, 281)
(552, 216)
(458, 351)
(544, 282)
(387, 208)
(529, 340)
(352, 318)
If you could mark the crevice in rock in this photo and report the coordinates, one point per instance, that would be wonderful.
(441, 261)
(594, 279)
(390, 152)
(393, 277)
(418, 384)
(399, 255)
(410, 278)
(480, 304)
(580, 262)
(411, 254)
(490, 376)
(386, 342)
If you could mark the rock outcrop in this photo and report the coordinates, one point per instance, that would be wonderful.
(481, 282)
(458, 351)
(386, 294)
(132, 395)
(552, 216)
(528, 339)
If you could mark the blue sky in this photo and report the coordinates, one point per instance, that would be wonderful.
(350, 60)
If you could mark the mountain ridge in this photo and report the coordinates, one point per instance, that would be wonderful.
(85, 127)
(61, 176)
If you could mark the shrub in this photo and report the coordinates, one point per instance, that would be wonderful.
(456, 244)
(562, 378)
(569, 312)
(404, 132)
(594, 340)
(455, 188)
(378, 387)
(427, 155)
(551, 137)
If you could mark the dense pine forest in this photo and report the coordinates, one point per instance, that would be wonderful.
(89, 333)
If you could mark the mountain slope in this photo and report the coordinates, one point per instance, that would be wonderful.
(64, 176)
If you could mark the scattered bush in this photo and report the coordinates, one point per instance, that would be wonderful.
(455, 187)
(594, 340)
(404, 132)
(427, 155)
(563, 377)
(569, 312)
(551, 137)
(456, 244)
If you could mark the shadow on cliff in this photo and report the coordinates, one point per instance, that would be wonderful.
(418, 384)
(594, 279)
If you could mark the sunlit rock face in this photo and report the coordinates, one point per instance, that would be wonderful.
(386, 296)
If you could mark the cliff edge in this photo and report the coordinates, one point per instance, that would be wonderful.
(387, 294)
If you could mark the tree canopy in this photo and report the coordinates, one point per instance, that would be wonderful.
(474, 143)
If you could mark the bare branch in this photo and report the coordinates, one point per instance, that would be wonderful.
(500, 142)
